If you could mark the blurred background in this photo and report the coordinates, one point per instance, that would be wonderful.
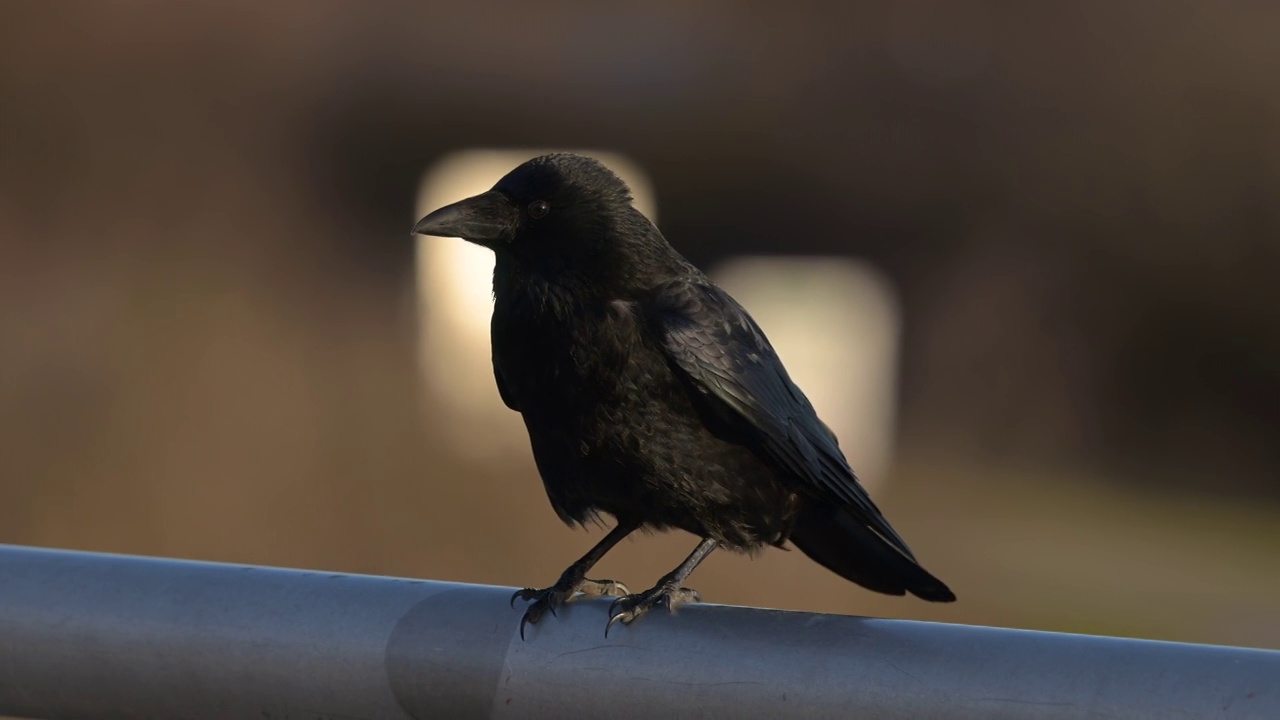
(1060, 225)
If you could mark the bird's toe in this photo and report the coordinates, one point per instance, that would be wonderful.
(544, 601)
(629, 608)
(525, 594)
(678, 597)
(597, 588)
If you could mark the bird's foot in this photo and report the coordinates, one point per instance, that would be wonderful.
(548, 599)
(629, 608)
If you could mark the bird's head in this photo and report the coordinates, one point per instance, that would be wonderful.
(549, 204)
(560, 207)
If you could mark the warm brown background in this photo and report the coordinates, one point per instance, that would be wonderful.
(207, 333)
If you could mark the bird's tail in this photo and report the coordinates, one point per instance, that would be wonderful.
(836, 540)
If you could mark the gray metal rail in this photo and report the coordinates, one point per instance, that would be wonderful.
(86, 635)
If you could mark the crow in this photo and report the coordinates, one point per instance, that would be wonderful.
(650, 395)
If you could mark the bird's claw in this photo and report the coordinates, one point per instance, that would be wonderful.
(629, 608)
(548, 599)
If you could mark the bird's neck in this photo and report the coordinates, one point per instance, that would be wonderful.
(530, 292)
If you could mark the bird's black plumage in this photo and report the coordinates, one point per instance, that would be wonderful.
(650, 394)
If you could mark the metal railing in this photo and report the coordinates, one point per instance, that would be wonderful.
(86, 635)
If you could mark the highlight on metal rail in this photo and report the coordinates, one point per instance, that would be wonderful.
(86, 635)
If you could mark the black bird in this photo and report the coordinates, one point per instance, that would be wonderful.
(649, 394)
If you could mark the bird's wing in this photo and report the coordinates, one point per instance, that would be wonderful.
(736, 375)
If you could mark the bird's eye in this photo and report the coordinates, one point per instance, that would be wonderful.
(538, 208)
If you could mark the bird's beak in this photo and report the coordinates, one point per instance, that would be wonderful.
(489, 219)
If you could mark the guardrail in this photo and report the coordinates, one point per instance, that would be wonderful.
(87, 635)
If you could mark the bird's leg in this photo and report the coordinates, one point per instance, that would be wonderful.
(667, 592)
(574, 580)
